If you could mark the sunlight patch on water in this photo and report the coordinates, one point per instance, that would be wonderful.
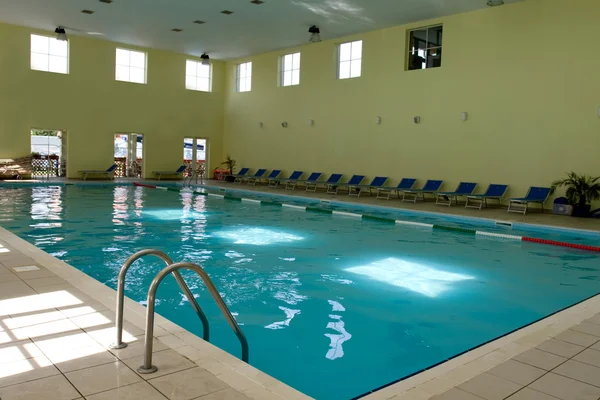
(258, 236)
(413, 276)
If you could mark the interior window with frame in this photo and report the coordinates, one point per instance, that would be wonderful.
(350, 59)
(131, 66)
(198, 76)
(244, 77)
(289, 69)
(49, 54)
(425, 48)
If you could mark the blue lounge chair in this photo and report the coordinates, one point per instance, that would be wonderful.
(534, 195)
(108, 173)
(405, 184)
(376, 183)
(296, 175)
(240, 175)
(356, 180)
(331, 185)
(291, 184)
(493, 192)
(272, 176)
(431, 187)
(178, 172)
(463, 189)
(254, 178)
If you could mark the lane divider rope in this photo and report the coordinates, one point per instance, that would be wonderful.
(435, 227)
(347, 214)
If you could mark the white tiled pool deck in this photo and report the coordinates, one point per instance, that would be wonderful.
(56, 324)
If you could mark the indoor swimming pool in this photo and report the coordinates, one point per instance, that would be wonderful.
(333, 306)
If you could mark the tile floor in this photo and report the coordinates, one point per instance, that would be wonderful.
(54, 343)
(556, 369)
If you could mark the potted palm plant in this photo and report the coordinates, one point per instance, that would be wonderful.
(230, 162)
(581, 190)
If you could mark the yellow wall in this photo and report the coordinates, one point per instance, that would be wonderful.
(91, 106)
(528, 74)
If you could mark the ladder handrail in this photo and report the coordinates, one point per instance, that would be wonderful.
(119, 344)
(194, 173)
(148, 368)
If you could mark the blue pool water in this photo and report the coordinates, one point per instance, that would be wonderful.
(333, 306)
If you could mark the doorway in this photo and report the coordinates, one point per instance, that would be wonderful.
(48, 153)
(129, 154)
(194, 153)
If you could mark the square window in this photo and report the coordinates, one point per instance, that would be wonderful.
(49, 54)
(197, 76)
(350, 60)
(425, 48)
(289, 70)
(130, 66)
(244, 77)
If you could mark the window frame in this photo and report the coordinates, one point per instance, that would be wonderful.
(283, 70)
(339, 60)
(49, 54)
(410, 48)
(210, 72)
(145, 82)
(247, 78)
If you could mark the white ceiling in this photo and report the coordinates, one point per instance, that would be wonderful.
(251, 29)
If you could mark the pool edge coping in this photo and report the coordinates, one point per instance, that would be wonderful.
(135, 314)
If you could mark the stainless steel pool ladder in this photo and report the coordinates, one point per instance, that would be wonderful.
(171, 268)
(194, 174)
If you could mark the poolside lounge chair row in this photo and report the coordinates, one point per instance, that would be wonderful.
(405, 189)
(110, 172)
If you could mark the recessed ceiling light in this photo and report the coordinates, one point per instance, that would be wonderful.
(257, 2)
(199, 22)
(87, 11)
(177, 30)
(226, 12)
(106, 1)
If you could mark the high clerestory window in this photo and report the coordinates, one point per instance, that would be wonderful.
(425, 48)
(49, 54)
(289, 69)
(350, 60)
